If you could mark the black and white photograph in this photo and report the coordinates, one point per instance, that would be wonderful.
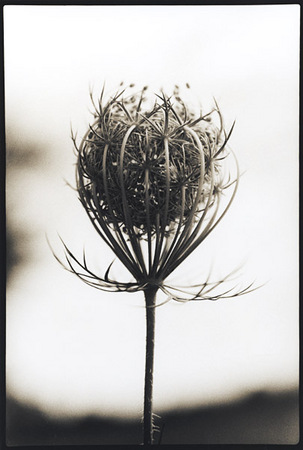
(152, 224)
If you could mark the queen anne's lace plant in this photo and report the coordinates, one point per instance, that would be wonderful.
(151, 181)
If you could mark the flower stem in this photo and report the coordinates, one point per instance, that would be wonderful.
(150, 300)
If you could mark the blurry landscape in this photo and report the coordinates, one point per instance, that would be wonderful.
(226, 373)
(21, 157)
(261, 418)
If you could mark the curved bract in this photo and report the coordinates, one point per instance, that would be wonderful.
(151, 181)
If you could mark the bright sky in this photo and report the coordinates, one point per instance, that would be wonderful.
(71, 349)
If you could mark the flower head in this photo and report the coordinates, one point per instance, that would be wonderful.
(150, 179)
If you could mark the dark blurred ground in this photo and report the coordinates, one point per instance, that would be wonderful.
(262, 418)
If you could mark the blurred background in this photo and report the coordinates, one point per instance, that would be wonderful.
(225, 372)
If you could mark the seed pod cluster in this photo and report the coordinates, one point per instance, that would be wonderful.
(155, 179)
(146, 168)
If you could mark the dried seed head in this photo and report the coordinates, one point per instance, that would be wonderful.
(149, 168)
(151, 181)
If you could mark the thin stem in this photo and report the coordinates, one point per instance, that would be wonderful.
(150, 301)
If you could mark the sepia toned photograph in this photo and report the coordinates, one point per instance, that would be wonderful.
(152, 192)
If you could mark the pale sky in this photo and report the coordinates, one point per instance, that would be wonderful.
(72, 349)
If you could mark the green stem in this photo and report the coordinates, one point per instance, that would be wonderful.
(150, 301)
